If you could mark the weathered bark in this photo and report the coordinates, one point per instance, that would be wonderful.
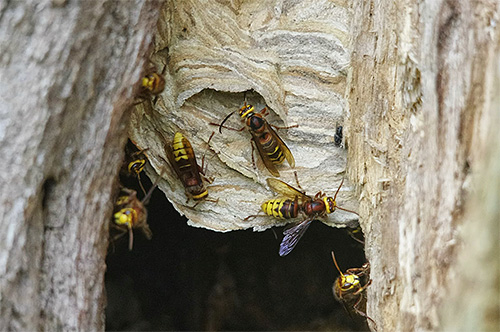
(473, 301)
(420, 113)
(67, 75)
(421, 124)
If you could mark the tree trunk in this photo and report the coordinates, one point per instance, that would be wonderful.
(421, 122)
(414, 85)
(68, 70)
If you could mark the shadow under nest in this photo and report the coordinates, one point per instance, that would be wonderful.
(188, 278)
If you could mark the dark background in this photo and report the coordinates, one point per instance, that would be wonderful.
(189, 278)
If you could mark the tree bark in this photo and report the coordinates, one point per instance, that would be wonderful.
(413, 83)
(421, 119)
(68, 71)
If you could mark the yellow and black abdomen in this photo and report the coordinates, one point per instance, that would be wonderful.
(271, 148)
(265, 138)
(183, 152)
(281, 208)
(184, 163)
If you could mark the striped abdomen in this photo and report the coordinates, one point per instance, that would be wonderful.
(271, 148)
(281, 208)
(266, 140)
(183, 151)
(187, 168)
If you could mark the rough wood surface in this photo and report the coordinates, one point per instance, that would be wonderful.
(290, 56)
(67, 71)
(473, 303)
(413, 78)
(418, 97)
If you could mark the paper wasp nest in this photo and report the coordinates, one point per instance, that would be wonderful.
(290, 56)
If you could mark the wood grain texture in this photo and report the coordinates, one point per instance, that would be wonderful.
(67, 73)
(290, 56)
(416, 134)
(472, 303)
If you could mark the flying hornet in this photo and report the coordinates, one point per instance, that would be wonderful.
(183, 160)
(272, 150)
(294, 203)
(348, 288)
(130, 213)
